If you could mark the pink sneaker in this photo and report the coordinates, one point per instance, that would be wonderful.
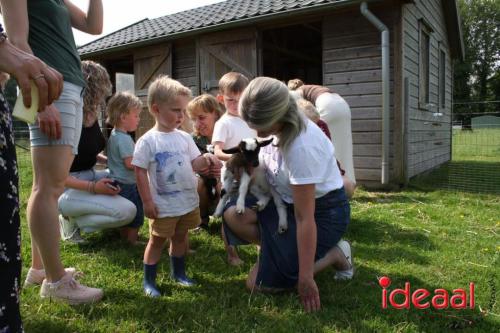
(35, 276)
(70, 291)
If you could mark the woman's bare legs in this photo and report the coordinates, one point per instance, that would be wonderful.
(245, 226)
(334, 258)
(50, 170)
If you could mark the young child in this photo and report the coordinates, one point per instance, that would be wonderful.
(123, 114)
(312, 113)
(229, 130)
(165, 161)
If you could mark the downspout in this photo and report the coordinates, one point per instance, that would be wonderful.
(385, 89)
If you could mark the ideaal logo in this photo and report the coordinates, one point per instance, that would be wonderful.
(419, 298)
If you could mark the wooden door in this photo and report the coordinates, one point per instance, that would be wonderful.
(227, 51)
(149, 62)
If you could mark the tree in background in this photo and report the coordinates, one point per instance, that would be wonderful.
(476, 78)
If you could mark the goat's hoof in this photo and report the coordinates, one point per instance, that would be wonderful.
(282, 229)
(240, 210)
(261, 205)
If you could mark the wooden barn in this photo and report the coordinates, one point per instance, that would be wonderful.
(391, 60)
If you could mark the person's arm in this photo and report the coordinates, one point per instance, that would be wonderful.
(15, 13)
(90, 22)
(141, 176)
(127, 161)
(203, 162)
(102, 159)
(218, 146)
(102, 186)
(24, 67)
(15, 16)
(304, 206)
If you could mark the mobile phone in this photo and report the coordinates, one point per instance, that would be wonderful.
(113, 185)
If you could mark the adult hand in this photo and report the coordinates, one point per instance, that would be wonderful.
(49, 121)
(25, 67)
(105, 186)
(309, 294)
(212, 160)
(214, 171)
(150, 210)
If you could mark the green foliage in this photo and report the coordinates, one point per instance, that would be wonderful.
(432, 238)
(481, 32)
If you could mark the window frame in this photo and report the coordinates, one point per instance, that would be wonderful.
(443, 56)
(424, 29)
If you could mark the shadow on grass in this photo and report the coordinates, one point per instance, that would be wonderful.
(379, 241)
(466, 176)
(220, 302)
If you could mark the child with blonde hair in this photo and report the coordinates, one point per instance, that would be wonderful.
(165, 161)
(229, 130)
(123, 114)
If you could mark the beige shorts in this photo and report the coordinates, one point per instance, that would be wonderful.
(165, 227)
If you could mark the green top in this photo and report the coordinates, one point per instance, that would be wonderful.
(51, 38)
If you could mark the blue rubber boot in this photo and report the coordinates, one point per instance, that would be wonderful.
(149, 282)
(178, 272)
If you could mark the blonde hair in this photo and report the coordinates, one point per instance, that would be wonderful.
(232, 82)
(97, 89)
(267, 101)
(294, 84)
(164, 89)
(206, 103)
(308, 109)
(121, 103)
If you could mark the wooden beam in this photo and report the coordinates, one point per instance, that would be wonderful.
(153, 70)
(213, 50)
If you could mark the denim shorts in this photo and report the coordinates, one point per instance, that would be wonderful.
(278, 257)
(130, 192)
(70, 106)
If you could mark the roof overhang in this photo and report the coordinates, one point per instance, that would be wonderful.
(454, 29)
(320, 8)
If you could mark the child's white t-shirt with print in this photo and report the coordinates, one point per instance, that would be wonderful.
(231, 130)
(310, 159)
(167, 156)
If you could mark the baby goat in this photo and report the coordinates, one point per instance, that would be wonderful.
(245, 162)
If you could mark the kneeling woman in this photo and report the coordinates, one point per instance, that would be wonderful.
(301, 166)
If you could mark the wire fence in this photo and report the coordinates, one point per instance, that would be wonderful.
(475, 151)
(474, 166)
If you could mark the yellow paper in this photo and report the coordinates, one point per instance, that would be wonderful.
(23, 113)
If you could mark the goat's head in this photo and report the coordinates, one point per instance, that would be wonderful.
(249, 149)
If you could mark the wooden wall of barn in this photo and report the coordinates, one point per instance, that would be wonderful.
(184, 64)
(352, 67)
(429, 136)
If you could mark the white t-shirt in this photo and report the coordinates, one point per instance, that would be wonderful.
(231, 130)
(172, 181)
(310, 159)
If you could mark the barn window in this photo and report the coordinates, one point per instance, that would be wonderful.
(424, 64)
(442, 79)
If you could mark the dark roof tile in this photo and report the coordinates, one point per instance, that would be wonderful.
(197, 18)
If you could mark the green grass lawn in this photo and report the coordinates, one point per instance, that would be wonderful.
(431, 238)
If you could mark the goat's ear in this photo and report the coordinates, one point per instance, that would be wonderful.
(265, 142)
(233, 150)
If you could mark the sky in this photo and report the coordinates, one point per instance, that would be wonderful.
(121, 13)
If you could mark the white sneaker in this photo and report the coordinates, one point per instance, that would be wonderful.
(345, 248)
(70, 291)
(35, 276)
(69, 230)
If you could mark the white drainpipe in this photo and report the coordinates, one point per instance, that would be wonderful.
(385, 89)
